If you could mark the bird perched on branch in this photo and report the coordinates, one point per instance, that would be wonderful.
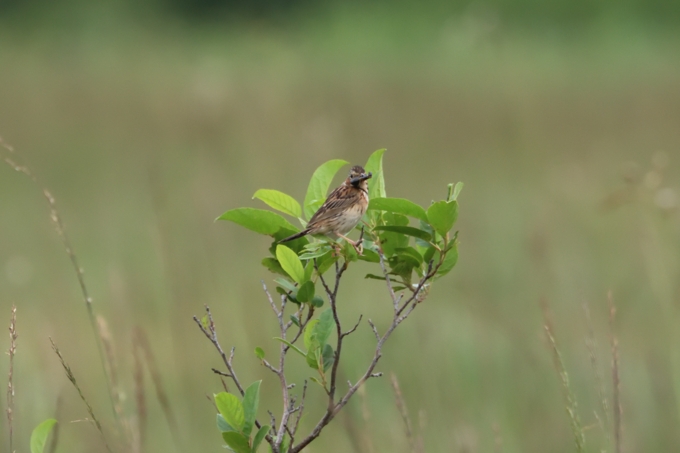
(342, 210)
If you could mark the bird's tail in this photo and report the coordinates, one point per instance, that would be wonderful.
(295, 236)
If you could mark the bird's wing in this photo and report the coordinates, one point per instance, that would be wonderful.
(337, 202)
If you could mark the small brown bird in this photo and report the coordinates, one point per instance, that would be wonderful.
(343, 209)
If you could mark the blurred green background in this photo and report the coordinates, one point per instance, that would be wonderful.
(149, 119)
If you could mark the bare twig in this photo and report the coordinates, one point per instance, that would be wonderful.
(72, 378)
(10, 382)
(207, 326)
(344, 334)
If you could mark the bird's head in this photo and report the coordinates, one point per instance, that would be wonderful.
(358, 177)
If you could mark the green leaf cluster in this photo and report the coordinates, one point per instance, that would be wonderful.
(236, 419)
(434, 248)
(415, 240)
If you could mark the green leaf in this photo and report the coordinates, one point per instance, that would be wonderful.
(39, 435)
(317, 302)
(399, 206)
(323, 329)
(258, 220)
(456, 190)
(313, 379)
(222, 424)
(326, 262)
(442, 215)
(237, 442)
(402, 265)
(292, 346)
(328, 356)
(288, 286)
(375, 277)
(313, 356)
(259, 437)
(251, 400)
(273, 265)
(315, 254)
(429, 253)
(259, 352)
(449, 263)
(306, 292)
(309, 333)
(290, 263)
(279, 201)
(231, 409)
(369, 256)
(410, 253)
(428, 229)
(295, 245)
(318, 186)
(309, 270)
(376, 187)
(407, 230)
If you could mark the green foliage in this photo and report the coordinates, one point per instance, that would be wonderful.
(39, 435)
(290, 263)
(231, 409)
(412, 239)
(236, 418)
(399, 206)
(251, 399)
(279, 201)
(442, 215)
(318, 186)
(258, 220)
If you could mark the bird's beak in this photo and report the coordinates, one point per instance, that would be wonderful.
(363, 177)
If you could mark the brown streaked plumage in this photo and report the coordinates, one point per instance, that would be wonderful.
(342, 210)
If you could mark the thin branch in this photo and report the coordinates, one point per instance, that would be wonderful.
(301, 408)
(211, 334)
(399, 316)
(344, 334)
(375, 330)
(221, 373)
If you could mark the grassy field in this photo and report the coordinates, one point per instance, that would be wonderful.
(568, 146)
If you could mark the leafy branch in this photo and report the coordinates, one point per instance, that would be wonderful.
(408, 270)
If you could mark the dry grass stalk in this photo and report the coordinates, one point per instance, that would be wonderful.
(56, 429)
(59, 227)
(569, 398)
(591, 344)
(403, 411)
(72, 378)
(161, 394)
(10, 382)
(366, 416)
(112, 371)
(140, 395)
(616, 381)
